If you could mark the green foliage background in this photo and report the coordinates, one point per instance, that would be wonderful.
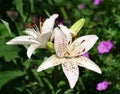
(18, 73)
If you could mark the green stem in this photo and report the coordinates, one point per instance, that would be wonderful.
(28, 91)
(37, 77)
(47, 13)
(49, 85)
(64, 13)
(81, 82)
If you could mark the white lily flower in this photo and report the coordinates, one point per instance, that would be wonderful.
(36, 37)
(69, 54)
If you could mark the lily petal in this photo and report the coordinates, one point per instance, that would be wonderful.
(50, 62)
(23, 40)
(49, 23)
(83, 44)
(71, 71)
(44, 38)
(61, 42)
(31, 32)
(66, 31)
(87, 63)
(31, 49)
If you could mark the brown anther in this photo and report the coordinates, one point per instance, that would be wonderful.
(29, 25)
(67, 53)
(77, 56)
(33, 24)
(75, 37)
(41, 19)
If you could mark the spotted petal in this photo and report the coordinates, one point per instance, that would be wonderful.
(23, 40)
(87, 63)
(49, 23)
(66, 31)
(31, 49)
(61, 42)
(50, 62)
(71, 71)
(83, 44)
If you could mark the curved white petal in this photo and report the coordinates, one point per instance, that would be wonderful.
(31, 32)
(71, 71)
(44, 38)
(49, 23)
(50, 62)
(60, 42)
(66, 31)
(31, 49)
(83, 44)
(87, 63)
(23, 40)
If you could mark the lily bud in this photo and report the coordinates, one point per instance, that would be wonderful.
(75, 28)
(50, 45)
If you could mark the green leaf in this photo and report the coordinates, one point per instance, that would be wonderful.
(19, 6)
(69, 91)
(77, 26)
(9, 52)
(117, 19)
(6, 24)
(8, 75)
(32, 5)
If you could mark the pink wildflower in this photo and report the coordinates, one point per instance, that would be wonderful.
(102, 86)
(105, 46)
(96, 2)
(81, 6)
(86, 55)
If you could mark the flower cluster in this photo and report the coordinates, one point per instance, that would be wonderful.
(68, 53)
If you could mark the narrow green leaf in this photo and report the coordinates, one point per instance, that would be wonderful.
(6, 24)
(69, 91)
(32, 5)
(19, 6)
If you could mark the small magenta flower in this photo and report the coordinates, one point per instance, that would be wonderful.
(86, 55)
(96, 2)
(102, 86)
(81, 6)
(105, 46)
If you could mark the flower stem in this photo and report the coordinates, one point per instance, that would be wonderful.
(81, 82)
(64, 13)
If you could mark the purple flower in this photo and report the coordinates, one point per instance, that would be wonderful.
(96, 2)
(105, 46)
(86, 55)
(81, 6)
(102, 86)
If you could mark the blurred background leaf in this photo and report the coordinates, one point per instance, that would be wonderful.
(8, 75)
